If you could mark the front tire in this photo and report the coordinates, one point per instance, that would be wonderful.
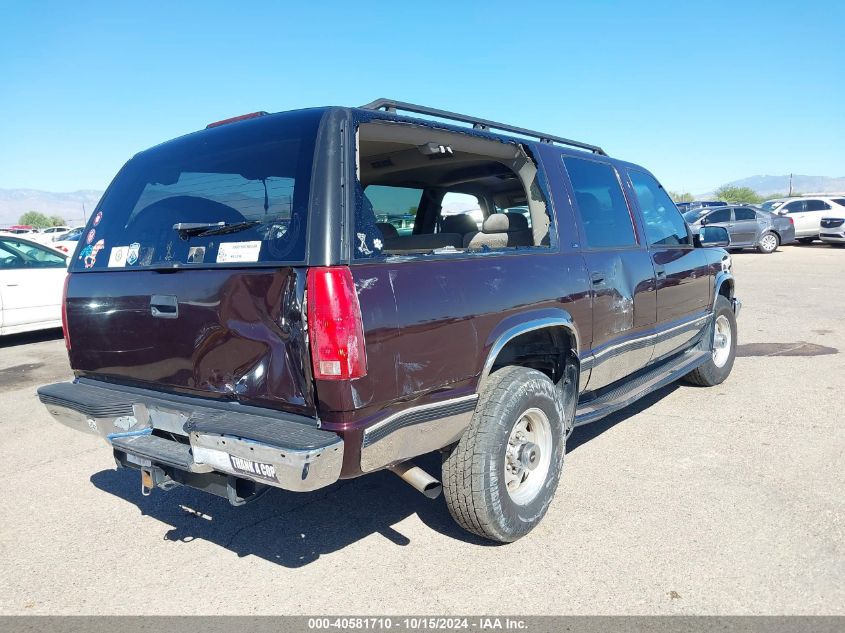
(768, 243)
(500, 478)
(718, 367)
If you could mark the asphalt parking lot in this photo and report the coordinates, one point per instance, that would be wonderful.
(708, 501)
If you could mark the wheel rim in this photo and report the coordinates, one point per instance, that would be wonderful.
(528, 456)
(722, 336)
(769, 242)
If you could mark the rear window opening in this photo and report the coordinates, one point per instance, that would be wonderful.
(426, 191)
(237, 194)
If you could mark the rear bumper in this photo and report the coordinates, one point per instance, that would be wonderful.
(275, 450)
(834, 236)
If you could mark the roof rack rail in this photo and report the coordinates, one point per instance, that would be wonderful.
(389, 105)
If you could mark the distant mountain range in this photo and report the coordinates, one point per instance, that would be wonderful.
(767, 185)
(69, 205)
(16, 202)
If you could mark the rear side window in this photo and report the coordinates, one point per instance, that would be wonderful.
(396, 206)
(601, 204)
(816, 205)
(745, 214)
(237, 194)
(795, 207)
(840, 201)
(664, 225)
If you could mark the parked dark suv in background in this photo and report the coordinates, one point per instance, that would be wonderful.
(238, 319)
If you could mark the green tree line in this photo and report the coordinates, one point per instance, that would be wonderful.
(40, 221)
(732, 195)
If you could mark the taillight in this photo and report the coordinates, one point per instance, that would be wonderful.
(62, 248)
(335, 328)
(791, 220)
(64, 313)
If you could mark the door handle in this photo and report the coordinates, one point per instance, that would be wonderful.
(597, 278)
(660, 270)
(164, 306)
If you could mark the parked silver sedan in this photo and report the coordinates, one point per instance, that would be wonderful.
(747, 226)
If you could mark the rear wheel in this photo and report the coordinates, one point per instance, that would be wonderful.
(768, 243)
(718, 366)
(500, 478)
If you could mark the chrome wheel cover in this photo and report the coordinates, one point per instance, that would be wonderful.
(722, 337)
(528, 457)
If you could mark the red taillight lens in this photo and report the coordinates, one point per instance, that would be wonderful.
(334, 324)
(791, 220)
(64, 313)
(62, 248)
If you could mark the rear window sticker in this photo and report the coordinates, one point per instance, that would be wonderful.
(146, 257)
(90, 237)
(98, 217)
(117, 256)
(132, 253)
(89, 253)
(362, 247)
(230, 252)
(196, 254)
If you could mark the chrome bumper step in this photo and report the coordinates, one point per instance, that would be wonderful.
(273, 449)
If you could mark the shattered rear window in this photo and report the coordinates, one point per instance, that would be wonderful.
(237, 194)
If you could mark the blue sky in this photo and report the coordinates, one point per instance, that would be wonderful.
(700, 93)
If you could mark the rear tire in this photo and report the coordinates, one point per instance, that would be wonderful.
(500, 478)
(768, 243)
(718, 366)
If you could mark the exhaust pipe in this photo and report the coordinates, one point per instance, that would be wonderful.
(418, 479)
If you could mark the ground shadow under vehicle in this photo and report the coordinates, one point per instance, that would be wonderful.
(293, 529)
(25, 338)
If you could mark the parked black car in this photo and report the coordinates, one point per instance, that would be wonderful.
(747, 226)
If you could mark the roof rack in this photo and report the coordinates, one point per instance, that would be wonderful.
(389, 105)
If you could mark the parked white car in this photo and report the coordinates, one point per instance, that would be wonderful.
(833, 230)
(49, 234)
(807, 214)
(32, 279)
(67, 242)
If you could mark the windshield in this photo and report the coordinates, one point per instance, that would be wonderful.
(695, 214)
(243, 188)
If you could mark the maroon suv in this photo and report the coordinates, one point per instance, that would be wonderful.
(291, 299)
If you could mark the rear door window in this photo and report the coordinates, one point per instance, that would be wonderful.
(601, 204)
(744, 213)
(235, 195)
(816, 205)
(720, 216)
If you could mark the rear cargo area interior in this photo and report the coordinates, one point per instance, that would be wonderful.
(500, 204)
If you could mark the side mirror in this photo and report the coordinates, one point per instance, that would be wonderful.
(703, 221)
(712, 236)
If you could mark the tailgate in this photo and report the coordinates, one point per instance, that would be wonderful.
(235, 334)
